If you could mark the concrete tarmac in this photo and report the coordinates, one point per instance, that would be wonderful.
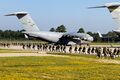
(27, 54)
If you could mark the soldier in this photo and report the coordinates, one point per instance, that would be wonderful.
(8, 45)
(57, 48)
(33, 46)
(110, 53)
(23, 46)
(61, 48)
(53, 48)
(118, 52)
(88, 51)
(43, 47)
(84, 49)
(38, 47)
(98, 51)
(50, 46)
(105, 51)
(75, 50)
(115, 52)
(29, 46)
(93, 50)
(64, 48)
(70, 49)
(46, 47)
(4, 45)
(80, 48)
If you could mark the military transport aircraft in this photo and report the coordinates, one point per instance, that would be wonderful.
(31, 30)
(114, 9)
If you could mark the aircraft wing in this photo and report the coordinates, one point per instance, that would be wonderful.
(79, 36)
(73, 38)
(70, 35)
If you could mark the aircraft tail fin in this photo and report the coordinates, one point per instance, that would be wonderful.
(100, 35)
(26, 36)
(26, 20)
(114, 9)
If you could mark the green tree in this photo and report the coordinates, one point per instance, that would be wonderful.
(81, 30)
(1, 32)
(61, 28)
(90, 33)
(52, 30)
(11, 35)
(112, 35)
(96, 37)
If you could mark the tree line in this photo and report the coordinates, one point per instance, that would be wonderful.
(18, 35)
(11, 35)
(109, 37)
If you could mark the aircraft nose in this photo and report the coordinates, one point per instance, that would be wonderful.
(91, 39)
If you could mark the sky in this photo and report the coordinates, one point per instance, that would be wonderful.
(53, 13)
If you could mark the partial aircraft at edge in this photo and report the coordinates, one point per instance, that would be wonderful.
(31, 30)
(114, 9)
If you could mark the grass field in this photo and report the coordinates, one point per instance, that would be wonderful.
(99, 43)
(70, 67)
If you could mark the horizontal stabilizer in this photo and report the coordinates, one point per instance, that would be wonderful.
(17, 13)
(96, 7)
(106, 5)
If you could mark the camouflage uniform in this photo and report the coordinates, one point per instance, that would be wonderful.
(75, 50)
(84, 49)
(88, 51)
(70, 49)
(80, 48)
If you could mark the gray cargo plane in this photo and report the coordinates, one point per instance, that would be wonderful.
(31, 30)
(114, 9)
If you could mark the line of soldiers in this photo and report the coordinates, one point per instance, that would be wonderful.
(99, 51)
(105, 52)
(5, 45)
(45, 47)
